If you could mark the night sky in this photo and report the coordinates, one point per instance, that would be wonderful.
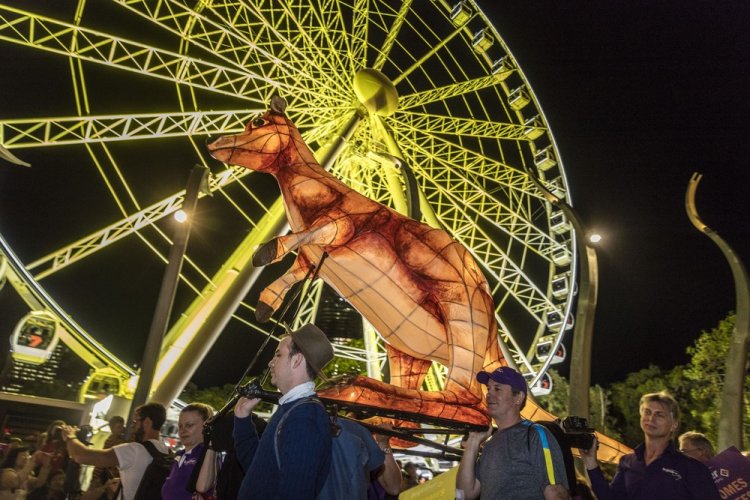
(639, 95)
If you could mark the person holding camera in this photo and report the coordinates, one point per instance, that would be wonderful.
(192, 419)
(131, 459)
(657, 469)
(521, 460)
(296, 462)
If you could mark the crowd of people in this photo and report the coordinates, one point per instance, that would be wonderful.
(303, 452)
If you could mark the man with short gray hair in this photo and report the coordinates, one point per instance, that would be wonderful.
(697, 446)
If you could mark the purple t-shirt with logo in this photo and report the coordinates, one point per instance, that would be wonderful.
(672, 476)
(179, 477)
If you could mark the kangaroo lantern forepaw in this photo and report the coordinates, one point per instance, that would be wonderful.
(263, 312)
(265, 254)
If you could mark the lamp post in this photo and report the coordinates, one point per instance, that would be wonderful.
(730, 416)
(168, 289)
(580, 358)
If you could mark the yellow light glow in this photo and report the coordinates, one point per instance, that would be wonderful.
(180, 216)
(595, 238)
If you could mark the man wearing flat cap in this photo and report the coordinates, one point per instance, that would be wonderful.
(295, 462)
(521, 460)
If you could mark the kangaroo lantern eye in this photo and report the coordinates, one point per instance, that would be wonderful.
(258, 122)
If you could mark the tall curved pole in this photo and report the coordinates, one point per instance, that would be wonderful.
(588, 289)
(730, 416)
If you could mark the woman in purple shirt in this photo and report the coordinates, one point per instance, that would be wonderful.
(192, 418)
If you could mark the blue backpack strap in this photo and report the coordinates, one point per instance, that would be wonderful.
(281, 424)
(546, 451)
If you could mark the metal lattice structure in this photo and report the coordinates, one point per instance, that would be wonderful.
(467, 125)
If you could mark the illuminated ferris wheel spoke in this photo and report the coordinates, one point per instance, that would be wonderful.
(84, 247)
(359, 34)
(299, 34)
(392, 36)
(462, 126)
(498, 263)
(56, 131)
(444, 160)
(464, 193)
(93, 46)
(426, 57)
(328, 13)
(219, 39)
(447, 92)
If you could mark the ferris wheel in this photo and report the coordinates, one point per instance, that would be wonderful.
(132, 88)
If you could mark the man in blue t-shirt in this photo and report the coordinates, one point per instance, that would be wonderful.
(304, 443)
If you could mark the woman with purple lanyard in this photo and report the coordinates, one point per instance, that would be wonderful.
(190, 429)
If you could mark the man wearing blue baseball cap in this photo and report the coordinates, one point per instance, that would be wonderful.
(521, 460)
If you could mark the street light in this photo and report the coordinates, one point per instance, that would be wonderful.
(580, 359)
(163, 309)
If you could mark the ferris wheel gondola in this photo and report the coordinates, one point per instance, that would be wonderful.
(35, 337)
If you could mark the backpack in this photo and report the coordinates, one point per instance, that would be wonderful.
(559, 435)
(155, 474)
(348, 478)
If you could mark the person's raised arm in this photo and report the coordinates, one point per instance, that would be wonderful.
(390, 478)
(245, 435)
(39, 458)
(466, 479)
(599, 485)
(207, 475)
(86, 455)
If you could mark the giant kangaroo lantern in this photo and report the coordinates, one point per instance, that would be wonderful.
(419, 288)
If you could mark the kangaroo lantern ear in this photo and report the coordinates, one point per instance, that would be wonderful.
(278, 105)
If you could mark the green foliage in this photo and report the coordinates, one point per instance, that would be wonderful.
(556, 402)
(705, 371)
(626, 396)
(215, 397)
(598, 418)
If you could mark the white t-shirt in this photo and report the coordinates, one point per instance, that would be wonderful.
(132, 459)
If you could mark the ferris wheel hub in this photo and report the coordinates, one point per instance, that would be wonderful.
(376, 92)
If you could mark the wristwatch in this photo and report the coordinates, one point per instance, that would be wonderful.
(387, 450)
